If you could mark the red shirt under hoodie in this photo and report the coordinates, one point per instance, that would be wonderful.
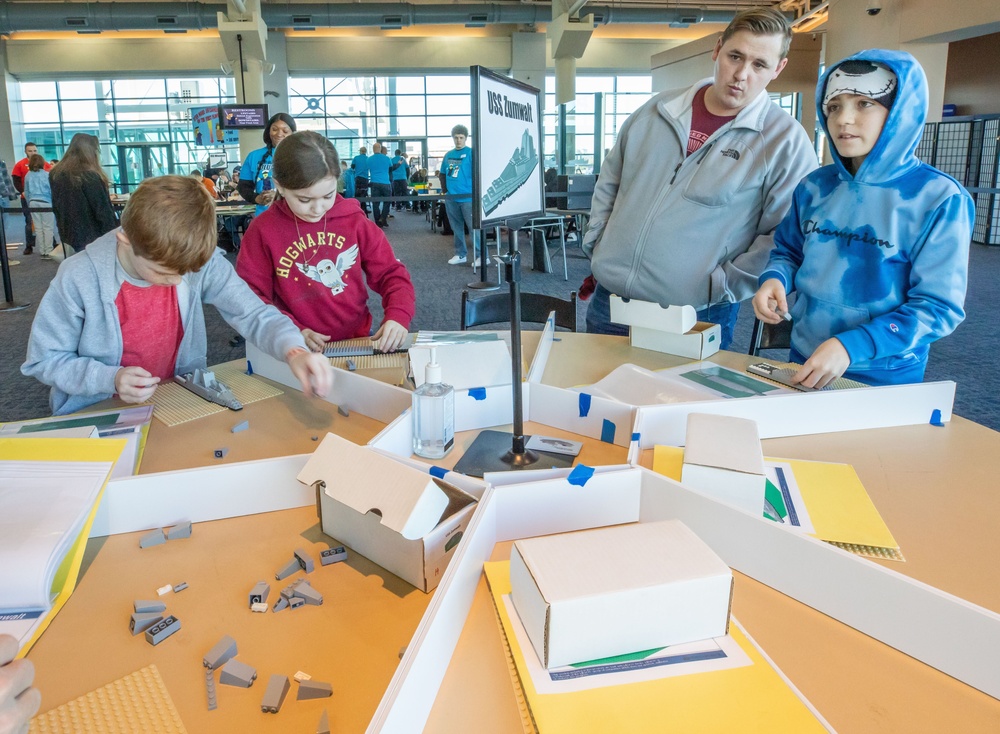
(316, 272)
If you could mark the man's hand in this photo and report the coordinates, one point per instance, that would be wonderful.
(770, 303)
(18, 700)
(135, 385)
(314, 340)
(312, 370)
(390, 336)
(827, 363)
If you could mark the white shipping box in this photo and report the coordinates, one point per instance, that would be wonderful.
(670, 330)
(406, 521)
(616, 590)
(723, 459)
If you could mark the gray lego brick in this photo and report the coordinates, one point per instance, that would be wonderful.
(259, 593)
(288, 569)
(153, 537)
(142, 621)
(333, 555)
(274, 696)
(180, 530)
(305, 560)
(162, 630)
(145, 605)
(221, 652)
(314, 689)
(235, 673)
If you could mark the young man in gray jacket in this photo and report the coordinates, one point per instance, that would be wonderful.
(688, 198)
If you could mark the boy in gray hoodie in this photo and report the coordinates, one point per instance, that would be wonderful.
(126, 313)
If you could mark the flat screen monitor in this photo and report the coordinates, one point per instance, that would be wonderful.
(243, 116)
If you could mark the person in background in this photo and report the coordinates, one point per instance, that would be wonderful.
(379, 184)
(400, 171)
(360, 167)
(693, 224)
(315, 254)
(348, 184)
(38, 193)
(876, 245)
(19, 701)
(80, 193)
(255, 184)
(18, 174)
(209, 178)
(129, 311)
(457, 169)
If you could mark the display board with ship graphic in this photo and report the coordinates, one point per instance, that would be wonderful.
(507, 178)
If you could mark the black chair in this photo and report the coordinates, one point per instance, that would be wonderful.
(535, 309)
(769, 336)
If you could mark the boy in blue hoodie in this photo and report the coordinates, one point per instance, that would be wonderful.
(875, 246)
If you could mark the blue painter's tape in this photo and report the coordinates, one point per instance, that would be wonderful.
(477, 393)
(438, 471)
(249, 368)
(608, 431)
(936, 418)
(635, 437)
(584, 404)
(580, 475)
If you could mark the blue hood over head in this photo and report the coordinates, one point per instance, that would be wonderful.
(894, 153)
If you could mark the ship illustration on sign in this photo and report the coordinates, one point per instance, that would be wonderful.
(517, 171)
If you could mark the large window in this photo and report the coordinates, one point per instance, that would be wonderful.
(149, 114)
(619, 96)
(407, 110)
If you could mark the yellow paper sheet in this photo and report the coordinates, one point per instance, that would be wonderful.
(838, 504)
(749, 698)
(64, 449)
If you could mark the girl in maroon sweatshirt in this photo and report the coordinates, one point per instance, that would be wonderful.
(311, 253)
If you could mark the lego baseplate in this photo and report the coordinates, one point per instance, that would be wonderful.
(391, 361)
(173, 405)
(136, 703)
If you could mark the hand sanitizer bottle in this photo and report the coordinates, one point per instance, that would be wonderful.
(433, 414)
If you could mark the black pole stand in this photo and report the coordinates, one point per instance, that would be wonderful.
(484, 260)
(494, 451)
(8, 289)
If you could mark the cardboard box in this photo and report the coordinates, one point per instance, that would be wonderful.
(672, 330)
(616, 590)
(399, 517)
(723, 459)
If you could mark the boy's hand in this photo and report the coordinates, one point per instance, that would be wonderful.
(390, 336)
(770, 303)
(264, 198)
(135, 385)
(312, 370)
(314, 340)
(827, 363)
(18, 700)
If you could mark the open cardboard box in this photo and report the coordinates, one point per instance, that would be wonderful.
(673, 330)
(403, 519)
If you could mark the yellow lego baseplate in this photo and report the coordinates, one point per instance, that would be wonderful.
(173, 404)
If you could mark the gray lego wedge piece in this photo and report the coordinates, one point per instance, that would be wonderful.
(213, 701)
(305, 560)
(324, 724)
(313, 689)
(162, 630)
(142, 621)
(282, 603)
(180, 530)
(235, 673)
(343, 411)
(308, 594)
(333, 555)
(241, 426)
(295, 602)
(224, 650)
(259, 593)
(288, 569)
(221, 453)
(274, 696)
(144, 605)
(180, 586)
(153, 537)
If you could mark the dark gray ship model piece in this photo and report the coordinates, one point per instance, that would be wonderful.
(204, 384)
(515, 173)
